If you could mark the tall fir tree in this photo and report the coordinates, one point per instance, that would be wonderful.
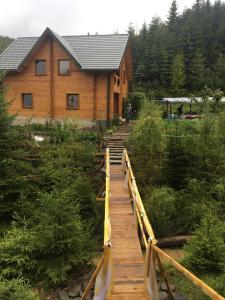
(219, 72)
(173, 15)
(178, 75)
(197, 72)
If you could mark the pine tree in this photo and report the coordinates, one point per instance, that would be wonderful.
(197, 72)
(219, 72)
(13, 168)
(173, 14)
(178, 75)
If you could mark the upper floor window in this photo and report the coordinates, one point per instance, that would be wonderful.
(40, 67)
(72, 101)
(64, 67)
(27, 100)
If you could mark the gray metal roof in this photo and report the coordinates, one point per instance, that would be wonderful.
(91, 52)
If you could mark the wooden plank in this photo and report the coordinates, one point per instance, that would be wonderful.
(127, 258)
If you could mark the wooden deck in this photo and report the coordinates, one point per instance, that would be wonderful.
(128, 263)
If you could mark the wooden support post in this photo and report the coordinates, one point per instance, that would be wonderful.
(92, 280)
(148, 259)
(169, 292)
(144, 240)
(135, 211)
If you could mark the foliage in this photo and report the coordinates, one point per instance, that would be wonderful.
(50, 235)
(14, 162)
(16, 289)
(4, 42)
(160, 205)
(48, 189)
(147, 144)
(178, 75)
(185, 159)
(206, 251)
(197, 34)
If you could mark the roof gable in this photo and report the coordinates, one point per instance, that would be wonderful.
(91, 52)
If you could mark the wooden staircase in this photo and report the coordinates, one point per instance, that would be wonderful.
(116, 144)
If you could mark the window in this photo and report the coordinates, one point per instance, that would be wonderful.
(72, 101)
(64, 67)
(27, 100)
(40, 67)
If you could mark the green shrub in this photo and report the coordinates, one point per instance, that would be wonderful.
(49, 245)
(206, 250)
(147, 144)
(16, 289)
(160, 205)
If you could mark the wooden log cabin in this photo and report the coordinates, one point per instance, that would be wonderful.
(76, 77)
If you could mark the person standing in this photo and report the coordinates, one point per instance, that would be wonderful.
(180, 111)
(128, 112)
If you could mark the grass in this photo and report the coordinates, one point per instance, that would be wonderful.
(187, 288)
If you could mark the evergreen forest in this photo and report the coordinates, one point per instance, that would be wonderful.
(181, 55)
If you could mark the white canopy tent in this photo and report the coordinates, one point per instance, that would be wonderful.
(186, 99)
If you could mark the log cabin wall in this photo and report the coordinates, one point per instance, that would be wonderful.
(27, 82)
(50, 91)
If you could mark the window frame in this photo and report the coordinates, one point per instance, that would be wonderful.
(39, 60)
(27, 107)
(67, 101)
(59, 60)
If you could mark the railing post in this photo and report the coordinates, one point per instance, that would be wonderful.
(150, 274)
(135, 209)
(124, 160)
(162, 271)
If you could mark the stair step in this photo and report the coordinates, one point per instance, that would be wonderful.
(113, 144)
(116, 147)
(115, 162)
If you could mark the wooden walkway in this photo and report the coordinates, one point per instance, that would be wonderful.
(121, 274)
(127, 257)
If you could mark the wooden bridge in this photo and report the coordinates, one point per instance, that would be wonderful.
(131, 260)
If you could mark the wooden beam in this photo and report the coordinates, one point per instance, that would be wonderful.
(95, 97)
(162, 271)
(93, 278)
(51, 79)
(108, 98)
(195, 280)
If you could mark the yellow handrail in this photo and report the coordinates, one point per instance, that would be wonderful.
(137, 196)
(93, 278)
(195, 280)
(146, 229)
(107, 225)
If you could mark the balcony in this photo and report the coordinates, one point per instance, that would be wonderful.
(116, 81)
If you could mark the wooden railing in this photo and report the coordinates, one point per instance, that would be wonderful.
(103, 273)
(153, 253)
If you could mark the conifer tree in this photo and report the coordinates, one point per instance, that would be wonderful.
(173, 14)
(197, 72)
(13, 168)
(219, 72)
(178, 75)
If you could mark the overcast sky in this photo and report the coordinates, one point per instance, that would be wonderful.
(31, 17)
